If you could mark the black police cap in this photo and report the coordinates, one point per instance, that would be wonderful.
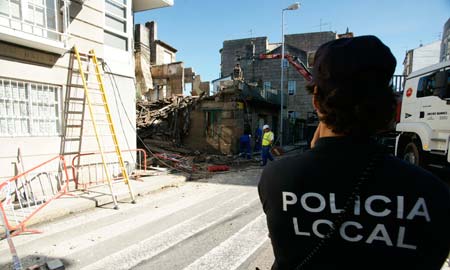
(349, 62)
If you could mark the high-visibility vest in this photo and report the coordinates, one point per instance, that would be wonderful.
(267, 138)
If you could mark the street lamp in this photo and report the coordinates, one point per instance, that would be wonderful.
(291, 7)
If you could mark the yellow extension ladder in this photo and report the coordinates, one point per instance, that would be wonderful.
(91, 58)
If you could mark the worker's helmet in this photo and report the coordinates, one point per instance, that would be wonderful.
(266, 127)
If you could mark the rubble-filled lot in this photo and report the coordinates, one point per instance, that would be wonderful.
(161, 126)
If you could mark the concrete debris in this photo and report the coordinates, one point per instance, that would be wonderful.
(165, 120)
(163, 125)
(55, 264)
(174, 161)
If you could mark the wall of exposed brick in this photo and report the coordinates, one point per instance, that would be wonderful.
(171, 75)
(269, 70)
(233, 50)
(309, 42)
(228, 127)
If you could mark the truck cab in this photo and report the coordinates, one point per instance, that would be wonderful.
(424, 127)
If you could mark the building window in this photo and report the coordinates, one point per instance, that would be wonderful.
(37, 17)
(292, 88)
(29, 109)
(292, 115)
(267, 86)
(116, 24)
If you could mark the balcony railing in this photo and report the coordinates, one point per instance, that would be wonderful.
(268, 95)
(35, 24)
(272, 96)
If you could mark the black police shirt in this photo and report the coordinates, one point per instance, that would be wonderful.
(400, 219)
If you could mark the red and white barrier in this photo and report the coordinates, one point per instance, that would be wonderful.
(24, 195)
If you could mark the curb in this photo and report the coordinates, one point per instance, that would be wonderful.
(81, 201)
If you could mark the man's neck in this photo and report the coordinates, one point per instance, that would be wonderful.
(325, 131)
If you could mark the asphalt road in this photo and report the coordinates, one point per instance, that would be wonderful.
(213, 224)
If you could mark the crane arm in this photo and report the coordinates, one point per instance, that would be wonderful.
(294, 61)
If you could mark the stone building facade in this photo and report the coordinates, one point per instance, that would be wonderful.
(445, 44)
(218, 121)
(266, 73)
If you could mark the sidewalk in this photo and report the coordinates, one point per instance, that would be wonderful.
(98, 196)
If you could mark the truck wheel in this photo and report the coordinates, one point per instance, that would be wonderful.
(412, 154)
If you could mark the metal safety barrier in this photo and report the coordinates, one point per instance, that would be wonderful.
(88, 169)
(25, 194)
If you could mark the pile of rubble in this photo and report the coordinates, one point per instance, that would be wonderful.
(165, 120)
(161, 126)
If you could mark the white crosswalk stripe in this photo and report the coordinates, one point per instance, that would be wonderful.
(229, 255)
(85, 218)
(84, 241)
(157, 244)
(196, 226)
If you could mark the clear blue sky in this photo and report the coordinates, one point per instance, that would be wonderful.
(197, 28)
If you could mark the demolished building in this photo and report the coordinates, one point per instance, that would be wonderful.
(203, 123)
(221, 119)
(159, 76)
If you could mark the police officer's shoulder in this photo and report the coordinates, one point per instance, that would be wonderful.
(415, 176)
(289, 165)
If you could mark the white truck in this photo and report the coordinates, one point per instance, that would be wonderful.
(422, 135)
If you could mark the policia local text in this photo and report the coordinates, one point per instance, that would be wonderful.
(351, 230)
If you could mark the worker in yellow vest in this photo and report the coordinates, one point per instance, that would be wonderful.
(266, 145)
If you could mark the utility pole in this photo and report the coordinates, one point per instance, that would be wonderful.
(283, 65)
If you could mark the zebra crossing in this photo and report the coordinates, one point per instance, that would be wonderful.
(217, 224)
(235, 249)
(199, 225)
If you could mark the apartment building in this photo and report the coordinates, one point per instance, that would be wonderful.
(423, 56)
(445, 45)
(266, 73)
(36, 40)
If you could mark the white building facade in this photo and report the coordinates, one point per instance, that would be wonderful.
(36, 40)
(421, 57)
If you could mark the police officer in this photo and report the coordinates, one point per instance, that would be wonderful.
(345, 204)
